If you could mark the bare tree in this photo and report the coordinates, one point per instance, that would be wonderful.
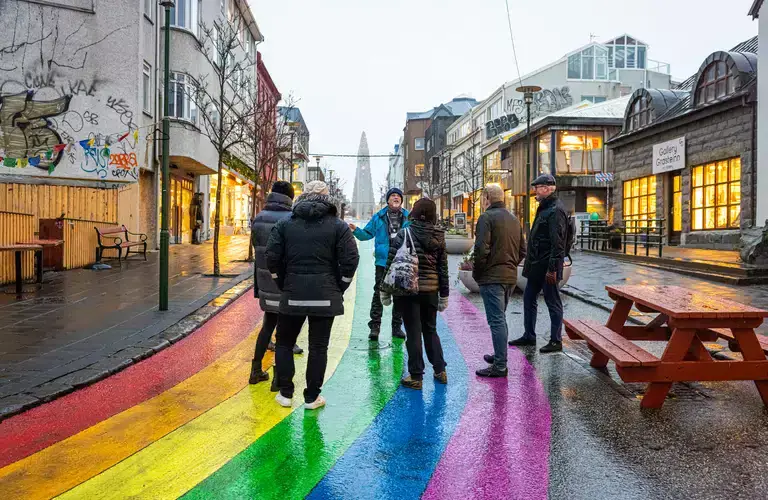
(429, 181)
(221, 98)
(469, 165)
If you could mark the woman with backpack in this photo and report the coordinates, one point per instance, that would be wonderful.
(419, 310)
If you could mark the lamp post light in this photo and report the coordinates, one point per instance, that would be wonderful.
(165, 200)
(528, 91)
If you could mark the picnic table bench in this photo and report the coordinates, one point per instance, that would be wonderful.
(685, 319)
(18, 250)
(119, 242)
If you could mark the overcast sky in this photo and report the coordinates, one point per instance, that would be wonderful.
(361, 65)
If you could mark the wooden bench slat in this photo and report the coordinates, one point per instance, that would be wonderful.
(727, 334)
(622, 351)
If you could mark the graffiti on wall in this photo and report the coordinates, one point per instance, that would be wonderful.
(545, 102)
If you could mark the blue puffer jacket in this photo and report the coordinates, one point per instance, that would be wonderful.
(378, 227)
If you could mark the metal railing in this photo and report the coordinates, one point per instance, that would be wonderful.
(635, 236)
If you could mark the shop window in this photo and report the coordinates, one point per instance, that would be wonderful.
(640, 203)
(579, 152)
(639, 113)
(677, 203)
(716, 195)
(544, 156)
(716, 82)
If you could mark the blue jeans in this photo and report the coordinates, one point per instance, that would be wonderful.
(495, 300)
(531, 303)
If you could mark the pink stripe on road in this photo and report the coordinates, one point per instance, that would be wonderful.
(501, 446)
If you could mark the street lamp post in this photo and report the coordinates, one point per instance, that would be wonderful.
(291, 174)
(165, 201)
(450, 188)
(528, 91)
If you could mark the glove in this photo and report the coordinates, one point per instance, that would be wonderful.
(442, 305)
(551, 278)
(386, 298)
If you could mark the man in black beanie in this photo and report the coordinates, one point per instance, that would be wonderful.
(278, 207)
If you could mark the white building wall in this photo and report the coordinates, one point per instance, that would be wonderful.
(762, 121)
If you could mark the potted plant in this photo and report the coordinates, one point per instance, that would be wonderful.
(465, 273)
(457, 242)
(522, 280)
(614, 238)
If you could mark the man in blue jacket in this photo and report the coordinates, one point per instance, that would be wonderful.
(384, 226)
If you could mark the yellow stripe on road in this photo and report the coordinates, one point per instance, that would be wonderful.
(66, 464)
(176, 463)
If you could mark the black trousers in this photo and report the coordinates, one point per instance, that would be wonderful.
(420, 318)
(288, 329)
(268, 325)
(377, 308)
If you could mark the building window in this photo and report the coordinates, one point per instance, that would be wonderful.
(418, 144)
(149, 7)
(716, 82)
(180, 104)
(626, 52)
(594, 98)
(639, 113)
(640, 203)
(716, 195)
(184, 14)
(544, 153)
(579, 152)
(589, 64)
(492, 167)
(419, 170)
(677, 203)
(146, 88)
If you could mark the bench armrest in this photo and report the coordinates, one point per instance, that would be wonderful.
(116, 240)
(140, 235)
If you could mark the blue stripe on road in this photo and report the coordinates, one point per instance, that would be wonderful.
(398, 453)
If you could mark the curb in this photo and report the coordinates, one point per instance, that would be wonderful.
(118, 361)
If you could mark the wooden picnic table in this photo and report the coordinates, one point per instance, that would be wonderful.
(685, 319)
(39, 254)
(18, 250)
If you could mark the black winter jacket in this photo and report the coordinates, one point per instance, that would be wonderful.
(433, 259)
(277, 208)
(499, 247)
(546, 246)
(313, 257)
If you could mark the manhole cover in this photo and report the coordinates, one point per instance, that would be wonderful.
(367, 345)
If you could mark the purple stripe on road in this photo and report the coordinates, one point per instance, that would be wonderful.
(501, 446)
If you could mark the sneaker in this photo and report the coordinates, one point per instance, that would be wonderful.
(283, 401)
(522, 341)
(491, 372)
(374, 336)
(398, 334)
(258, 376)
(314, 405)
(298, 350)
(488, 358)
(271, 346)
(442, 377)
(552, 347)
(411, 383)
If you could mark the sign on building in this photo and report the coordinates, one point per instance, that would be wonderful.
(669, 156)
(460, 220)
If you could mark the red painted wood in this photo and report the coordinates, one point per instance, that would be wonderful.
(696, 371)
(676, 350)
(613, 345)
(40, 427)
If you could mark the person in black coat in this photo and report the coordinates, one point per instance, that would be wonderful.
(544, 265)
(277, 208)
(312, 256)
(420, 311)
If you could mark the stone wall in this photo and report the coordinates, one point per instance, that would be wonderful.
(720, 136)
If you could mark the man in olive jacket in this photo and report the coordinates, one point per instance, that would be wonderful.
(498, 251)
(544, 265)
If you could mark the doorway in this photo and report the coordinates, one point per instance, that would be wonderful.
(675, 208)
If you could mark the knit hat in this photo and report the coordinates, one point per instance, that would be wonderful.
(396, 191)
(283, 187)
(316, 187)
(424, 210)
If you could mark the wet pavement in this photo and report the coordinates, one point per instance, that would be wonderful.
(185, 423)
(82, 325)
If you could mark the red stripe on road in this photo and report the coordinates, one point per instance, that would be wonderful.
(40, 427)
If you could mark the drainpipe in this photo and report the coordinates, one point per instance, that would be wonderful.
(753, 147)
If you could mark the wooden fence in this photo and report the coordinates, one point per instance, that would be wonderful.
(15, 227)
(50, 202)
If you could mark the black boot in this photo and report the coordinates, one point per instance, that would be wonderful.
(398, 333)
(522, 341)
(257, 374)
(553, 346)
(374, 335)
(297, 350)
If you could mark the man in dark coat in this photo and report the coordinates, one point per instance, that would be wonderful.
(498, 251)
(544, 264)
(313, 257)
(277, 208)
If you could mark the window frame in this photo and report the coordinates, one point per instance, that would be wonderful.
(586, 137)
(705, 83)
(148, 10)
(416, 144)
(628, 201)
(702, 187)
(189, 113)
(147, 94)
(638, 118)
(191, 17)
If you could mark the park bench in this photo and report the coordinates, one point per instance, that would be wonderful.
(120, 240)
(685, 319)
